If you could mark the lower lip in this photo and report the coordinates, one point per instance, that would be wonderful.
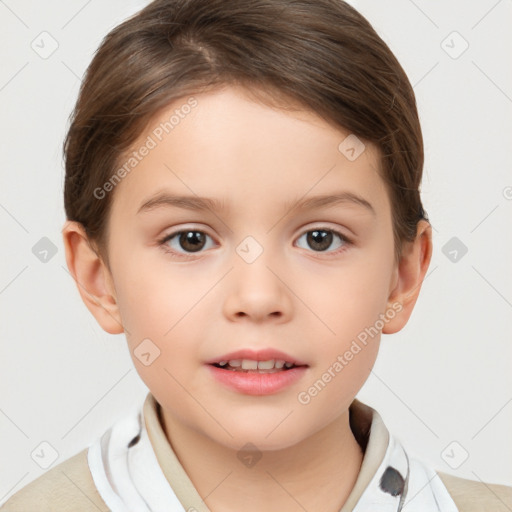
(252, 383)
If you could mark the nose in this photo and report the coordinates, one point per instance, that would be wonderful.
(258, 291)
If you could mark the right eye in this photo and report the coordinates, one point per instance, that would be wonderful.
(321, 239)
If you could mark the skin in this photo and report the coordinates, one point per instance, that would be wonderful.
(294, 297)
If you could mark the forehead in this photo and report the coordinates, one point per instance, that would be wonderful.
(243, 153)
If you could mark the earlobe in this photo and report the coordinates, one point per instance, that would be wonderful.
(92, 278)
(410, 273)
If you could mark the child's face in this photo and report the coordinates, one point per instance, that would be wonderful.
(294, 297)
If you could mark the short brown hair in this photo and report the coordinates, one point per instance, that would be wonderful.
(320, 54)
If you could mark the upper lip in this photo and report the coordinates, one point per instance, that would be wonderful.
(258, 355)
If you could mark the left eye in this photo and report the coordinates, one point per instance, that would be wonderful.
(190, 241)
(321, 239)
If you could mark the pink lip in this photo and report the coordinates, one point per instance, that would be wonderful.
(257, 355)
(254, 383)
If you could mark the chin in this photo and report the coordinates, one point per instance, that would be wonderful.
(262, 436)
(247, 442)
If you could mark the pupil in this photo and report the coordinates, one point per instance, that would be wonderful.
(192, 241)
(321, 237)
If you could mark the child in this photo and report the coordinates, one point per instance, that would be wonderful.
(283, 135)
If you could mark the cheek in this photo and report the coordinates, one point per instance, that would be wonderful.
(333, 386)
(349, 298)
(155, 297)
(349, 303)
(163, 310)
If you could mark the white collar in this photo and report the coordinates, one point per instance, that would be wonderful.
(128, 476)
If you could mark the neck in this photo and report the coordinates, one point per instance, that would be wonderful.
(328, 461)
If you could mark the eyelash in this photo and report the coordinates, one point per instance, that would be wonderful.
(188, 256)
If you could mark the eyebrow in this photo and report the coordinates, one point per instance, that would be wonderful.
(165, 199)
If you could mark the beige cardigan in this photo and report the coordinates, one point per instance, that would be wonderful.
(69, 486)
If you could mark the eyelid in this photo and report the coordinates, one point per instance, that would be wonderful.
(180, 229)
(340, 230)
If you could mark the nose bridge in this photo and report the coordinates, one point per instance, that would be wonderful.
(256, 289)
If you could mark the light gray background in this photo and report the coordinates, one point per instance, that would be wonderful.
(442, 385)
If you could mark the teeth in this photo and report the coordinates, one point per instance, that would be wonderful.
(249, 364)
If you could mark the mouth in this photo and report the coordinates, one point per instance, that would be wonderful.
(256, 361)
(257, 372)
(253, 366)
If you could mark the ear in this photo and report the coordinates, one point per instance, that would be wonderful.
(408, 277)
(92, 277)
